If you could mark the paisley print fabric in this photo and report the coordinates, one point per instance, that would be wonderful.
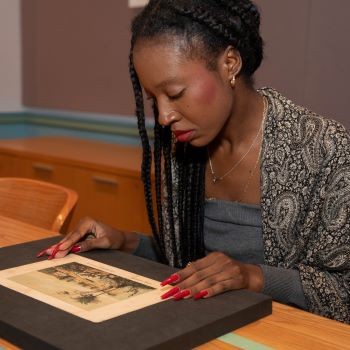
(305, 203)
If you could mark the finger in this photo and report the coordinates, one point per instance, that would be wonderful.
(192, 268)
(183, 294)
(224, 286)
(75, 249)
(72, 238)
(202, 294)
(55, 251)
(228, 279)
(84, 231)
(94, 243)
(210, 274)
(205, 288)
(50, 249)
(224, 282)
(175, 277)
(80, 247)
(216, 260)
(194, 284)
(43, 252)
(63, 247)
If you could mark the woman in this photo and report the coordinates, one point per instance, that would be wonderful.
(252, 191)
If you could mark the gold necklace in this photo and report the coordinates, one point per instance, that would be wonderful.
(216, 178)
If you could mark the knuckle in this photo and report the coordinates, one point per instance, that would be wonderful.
(209, 281)
(221, 287)
(193, 266)
(230, 263)
(206, 282)
(228, 285)
(238, 270)
(233, 267)
(199, 275)
(217, 255)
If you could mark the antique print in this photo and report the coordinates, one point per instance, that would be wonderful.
(83, 287)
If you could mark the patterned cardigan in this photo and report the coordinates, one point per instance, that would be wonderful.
(305, 203)
(305, 175)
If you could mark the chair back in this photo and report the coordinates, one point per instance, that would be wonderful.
(36, 202)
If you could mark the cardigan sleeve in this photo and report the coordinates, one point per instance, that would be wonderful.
(145, 248)
(306, 207)
(283, 285)
(325, 271)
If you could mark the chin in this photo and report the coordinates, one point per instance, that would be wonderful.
(198, 143)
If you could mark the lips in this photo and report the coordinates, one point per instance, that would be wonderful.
(183, 135)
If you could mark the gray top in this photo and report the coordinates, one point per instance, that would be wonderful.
(236, 229)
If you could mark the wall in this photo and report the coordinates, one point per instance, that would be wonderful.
(76, 55)
(307, 53)
(76, 52)
(10, 56)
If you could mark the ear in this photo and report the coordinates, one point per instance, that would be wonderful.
(232, 62)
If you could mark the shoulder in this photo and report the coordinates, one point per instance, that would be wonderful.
(288, 121)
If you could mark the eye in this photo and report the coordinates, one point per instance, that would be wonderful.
(176, 96)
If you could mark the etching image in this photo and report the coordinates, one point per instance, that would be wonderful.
(82, 286)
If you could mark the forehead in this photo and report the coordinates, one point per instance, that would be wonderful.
(163, 50)
(161, 59)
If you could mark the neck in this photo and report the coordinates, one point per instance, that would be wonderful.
(243, 123)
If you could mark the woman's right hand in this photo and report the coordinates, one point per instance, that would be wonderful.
(89, 234)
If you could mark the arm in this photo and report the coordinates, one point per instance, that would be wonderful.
(325, 271)
(91, 234)
(145, 248)
(306, 209)
(283, 285)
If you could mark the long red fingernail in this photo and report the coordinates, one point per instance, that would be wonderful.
(55, 251)
(200, 295)
(41, 253)
(173, 278)
(75, 249)
(170, 293)
(182, 294)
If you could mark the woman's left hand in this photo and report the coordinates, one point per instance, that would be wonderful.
(214, 274)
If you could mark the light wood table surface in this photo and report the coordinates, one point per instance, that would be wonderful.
(287, 327)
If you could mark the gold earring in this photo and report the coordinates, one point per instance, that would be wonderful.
(233, 81)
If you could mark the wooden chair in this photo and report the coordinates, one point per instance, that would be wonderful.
(36, 202)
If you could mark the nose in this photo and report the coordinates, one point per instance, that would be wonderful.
(168, 117)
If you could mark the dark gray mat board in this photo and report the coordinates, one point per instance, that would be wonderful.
(31, 324)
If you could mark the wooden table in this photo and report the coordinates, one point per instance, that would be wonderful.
(286, 328)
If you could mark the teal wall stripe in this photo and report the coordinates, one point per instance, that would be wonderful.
(242, 342)
(112, 126)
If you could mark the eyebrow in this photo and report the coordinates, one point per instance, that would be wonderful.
(166, 82)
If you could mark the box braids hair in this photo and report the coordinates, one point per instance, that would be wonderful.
(206, 28)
